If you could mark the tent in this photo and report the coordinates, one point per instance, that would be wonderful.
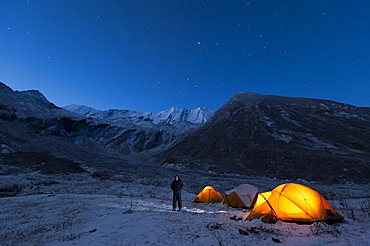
(293, 203)
(244, 195)
(208, 195)
(262, 197)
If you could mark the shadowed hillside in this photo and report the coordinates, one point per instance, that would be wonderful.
(280, 137)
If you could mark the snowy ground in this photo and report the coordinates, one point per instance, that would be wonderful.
(79, 209)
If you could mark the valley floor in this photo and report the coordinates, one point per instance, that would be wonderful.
(82, 210)
(78, 219)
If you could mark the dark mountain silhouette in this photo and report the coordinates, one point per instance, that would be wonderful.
(280, 137)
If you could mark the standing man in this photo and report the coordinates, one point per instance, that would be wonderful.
(176, 186)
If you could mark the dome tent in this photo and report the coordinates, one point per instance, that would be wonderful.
(208, 195)
(242, 196)
(293, 203)
(262, 197)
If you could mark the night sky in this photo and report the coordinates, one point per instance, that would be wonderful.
(151, 55)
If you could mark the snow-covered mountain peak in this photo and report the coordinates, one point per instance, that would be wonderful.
(200, 115)
(171, 116)
(82, 110)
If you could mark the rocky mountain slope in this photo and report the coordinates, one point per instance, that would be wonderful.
(30, 123)
(280, 137)
(30, 103)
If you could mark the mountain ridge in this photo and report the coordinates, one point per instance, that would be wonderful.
(171, 116)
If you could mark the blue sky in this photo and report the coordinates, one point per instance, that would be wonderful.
(152, 55)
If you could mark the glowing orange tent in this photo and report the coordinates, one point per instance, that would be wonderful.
(208, 195)
(262, 197)
(294, 203)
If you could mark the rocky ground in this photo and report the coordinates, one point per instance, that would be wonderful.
(132, 206)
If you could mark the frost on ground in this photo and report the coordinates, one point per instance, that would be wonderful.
(80, 209)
